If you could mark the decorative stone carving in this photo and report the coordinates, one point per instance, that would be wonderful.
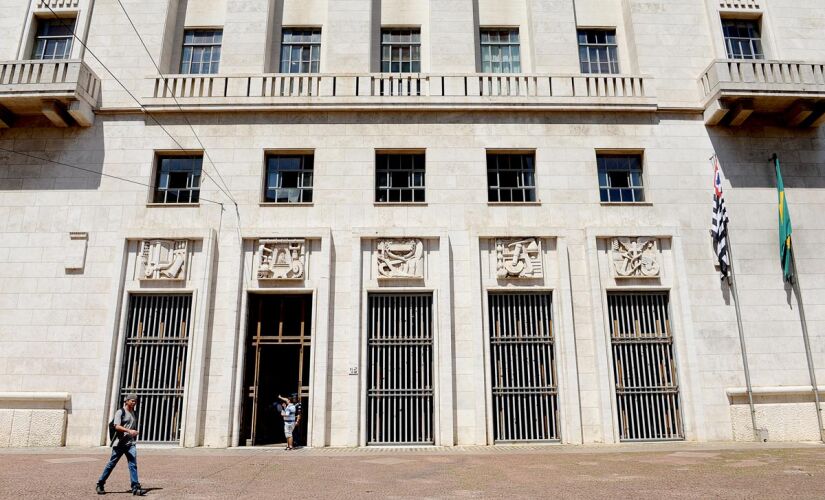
(400, 258)
(518, 258)
(635, 257)
(163, 259)
(281, 259)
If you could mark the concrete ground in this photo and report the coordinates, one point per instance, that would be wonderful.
(655, 470)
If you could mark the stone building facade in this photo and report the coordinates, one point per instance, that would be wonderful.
(447, 222)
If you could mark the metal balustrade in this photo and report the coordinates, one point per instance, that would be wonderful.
(153, 363)
(400, 369)
(523, 368)
(644, 367)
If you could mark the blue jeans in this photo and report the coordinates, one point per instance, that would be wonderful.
(131, 457)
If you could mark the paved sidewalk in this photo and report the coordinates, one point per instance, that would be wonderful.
(675, 470)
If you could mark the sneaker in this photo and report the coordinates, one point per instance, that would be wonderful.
(138, 491)
(99, 489)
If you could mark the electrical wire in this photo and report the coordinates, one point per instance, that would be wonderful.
(69, 165)
(137, 101)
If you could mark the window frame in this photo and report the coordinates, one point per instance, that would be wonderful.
(500, 45)
(303, 154)
(311, 30)
(201, 45)
(524, 188)
(613, 62)
(411, 31)
(641, 172)
(40, 22)
(410, 187)
(160, 156)
(755, 23)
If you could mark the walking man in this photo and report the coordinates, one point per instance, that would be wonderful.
(125, 427)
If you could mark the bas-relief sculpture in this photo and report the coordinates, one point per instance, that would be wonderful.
(399, 258)
(635, 257)
(281, 259)
(163, 259)
(518, 258)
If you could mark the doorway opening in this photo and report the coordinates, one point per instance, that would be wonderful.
(277, 362)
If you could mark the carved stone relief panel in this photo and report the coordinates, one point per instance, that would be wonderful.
(635, 257)
(163, 259)
(400, 258)
(518, 258)
(281, 259)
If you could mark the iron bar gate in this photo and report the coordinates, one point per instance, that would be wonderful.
(400, 364)
(525, 391)
(644, 367)
(154, 363)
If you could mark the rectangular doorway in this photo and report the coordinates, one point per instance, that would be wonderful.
(644, 367)
(277, 361)
(523, 368)
(400, 369)
(153, 364)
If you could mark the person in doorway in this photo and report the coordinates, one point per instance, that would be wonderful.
(124, 425)
(289, 412)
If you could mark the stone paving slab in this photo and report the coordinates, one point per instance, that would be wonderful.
(682, 470)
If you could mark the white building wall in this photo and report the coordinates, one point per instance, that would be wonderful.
(59, 328)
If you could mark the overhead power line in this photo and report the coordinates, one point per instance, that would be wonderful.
(83, 169)
(137, 101)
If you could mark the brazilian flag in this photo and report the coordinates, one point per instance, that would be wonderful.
(785, 229)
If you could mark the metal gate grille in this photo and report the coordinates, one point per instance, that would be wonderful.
(400, 350)
(525, 392)
(647, 390)
(154, 363)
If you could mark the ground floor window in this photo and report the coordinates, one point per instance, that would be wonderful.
(523, 367)
(153, 364)
(400, 369)
(644, 367)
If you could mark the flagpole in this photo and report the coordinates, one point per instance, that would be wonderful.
(807, 341)
(732, 284)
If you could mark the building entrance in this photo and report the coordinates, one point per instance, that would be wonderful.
(277, 362)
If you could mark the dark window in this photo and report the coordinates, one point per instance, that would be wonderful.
(500, 51)
(598, 52)
(288, 178)
(301, 50)
(620, 178)
(742, 39)
(178, 179)
(201, 52)
(399, 177)
(53, 39)
(401, 50)
(511, 177)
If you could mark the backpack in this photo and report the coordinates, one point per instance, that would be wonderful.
(113, 433)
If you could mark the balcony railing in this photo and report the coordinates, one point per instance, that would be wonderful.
(793, 88)
(54, 88)
(380, 89)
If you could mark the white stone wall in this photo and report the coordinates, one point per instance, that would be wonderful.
(59, 329)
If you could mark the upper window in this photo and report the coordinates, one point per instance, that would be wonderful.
(401, 50)
(598, 52)
(201, 52)
(511, 177)
(399, 177)
(300, 50)
(500, 51)
(53, 39)
(742, 39)
(178, 179)
(288, 178)
(620, 178)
